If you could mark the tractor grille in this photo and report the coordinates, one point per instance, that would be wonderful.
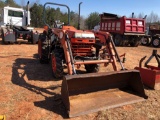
(82, 47)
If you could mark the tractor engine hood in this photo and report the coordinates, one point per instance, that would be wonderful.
(81, 34)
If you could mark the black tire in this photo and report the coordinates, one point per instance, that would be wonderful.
(91, 68)
(16, 36)
(135, 42)
(118, 39)
(145, 41)
(155, 42)
(24, 36)
(43, 50)
(57, 63)
(31, 38)
(2, 34)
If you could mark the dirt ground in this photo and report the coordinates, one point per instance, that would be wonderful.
(29, 92)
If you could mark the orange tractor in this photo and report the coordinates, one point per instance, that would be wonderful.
(89, 92)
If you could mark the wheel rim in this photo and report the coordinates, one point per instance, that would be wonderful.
(53, 63)
(144, 40)
(156, 42)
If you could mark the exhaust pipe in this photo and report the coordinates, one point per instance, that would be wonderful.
(145, 17)
(28, 6)
(132, 14)
(79, 16)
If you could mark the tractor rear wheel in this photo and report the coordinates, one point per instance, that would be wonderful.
(56, 61)
(90, 68)
(156, 42)
(43, 50)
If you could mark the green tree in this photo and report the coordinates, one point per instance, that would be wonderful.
(36, 15)
(11, 3)
(92, 20)
(2, 4)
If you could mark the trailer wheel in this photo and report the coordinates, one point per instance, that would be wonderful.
(2, 34)
(145, 41)
(90, 68)
(135, 42)
(42, 50)
(31, 37)
(156, 42)
(16, 36)
(118, 40)
(56, 61)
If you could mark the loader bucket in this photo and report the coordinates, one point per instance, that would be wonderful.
(87, 93)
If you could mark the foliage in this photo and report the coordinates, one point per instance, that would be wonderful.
(36, 15)
(151, 18)
(11, 3)
(92, 20)
(53, 14)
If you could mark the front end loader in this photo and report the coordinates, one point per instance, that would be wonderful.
(92, 91)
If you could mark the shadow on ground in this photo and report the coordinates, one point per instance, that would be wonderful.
(19, 41)
(31, 69)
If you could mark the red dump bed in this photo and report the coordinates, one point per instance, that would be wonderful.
(114, 24)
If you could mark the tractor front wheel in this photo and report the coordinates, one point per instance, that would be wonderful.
(91, 68)
(56, 61)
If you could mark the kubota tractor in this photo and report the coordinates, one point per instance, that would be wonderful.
(90, 92)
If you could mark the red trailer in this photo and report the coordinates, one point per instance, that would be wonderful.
(125, 30)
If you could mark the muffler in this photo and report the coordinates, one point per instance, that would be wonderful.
(87, 93)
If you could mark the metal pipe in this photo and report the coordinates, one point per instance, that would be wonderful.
(132, 14)
(71, 55)
(119, 60)
(93, 62)
(145, 17)
(79, 16)
(28, 6)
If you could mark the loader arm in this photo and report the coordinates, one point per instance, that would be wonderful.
(107, 40)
